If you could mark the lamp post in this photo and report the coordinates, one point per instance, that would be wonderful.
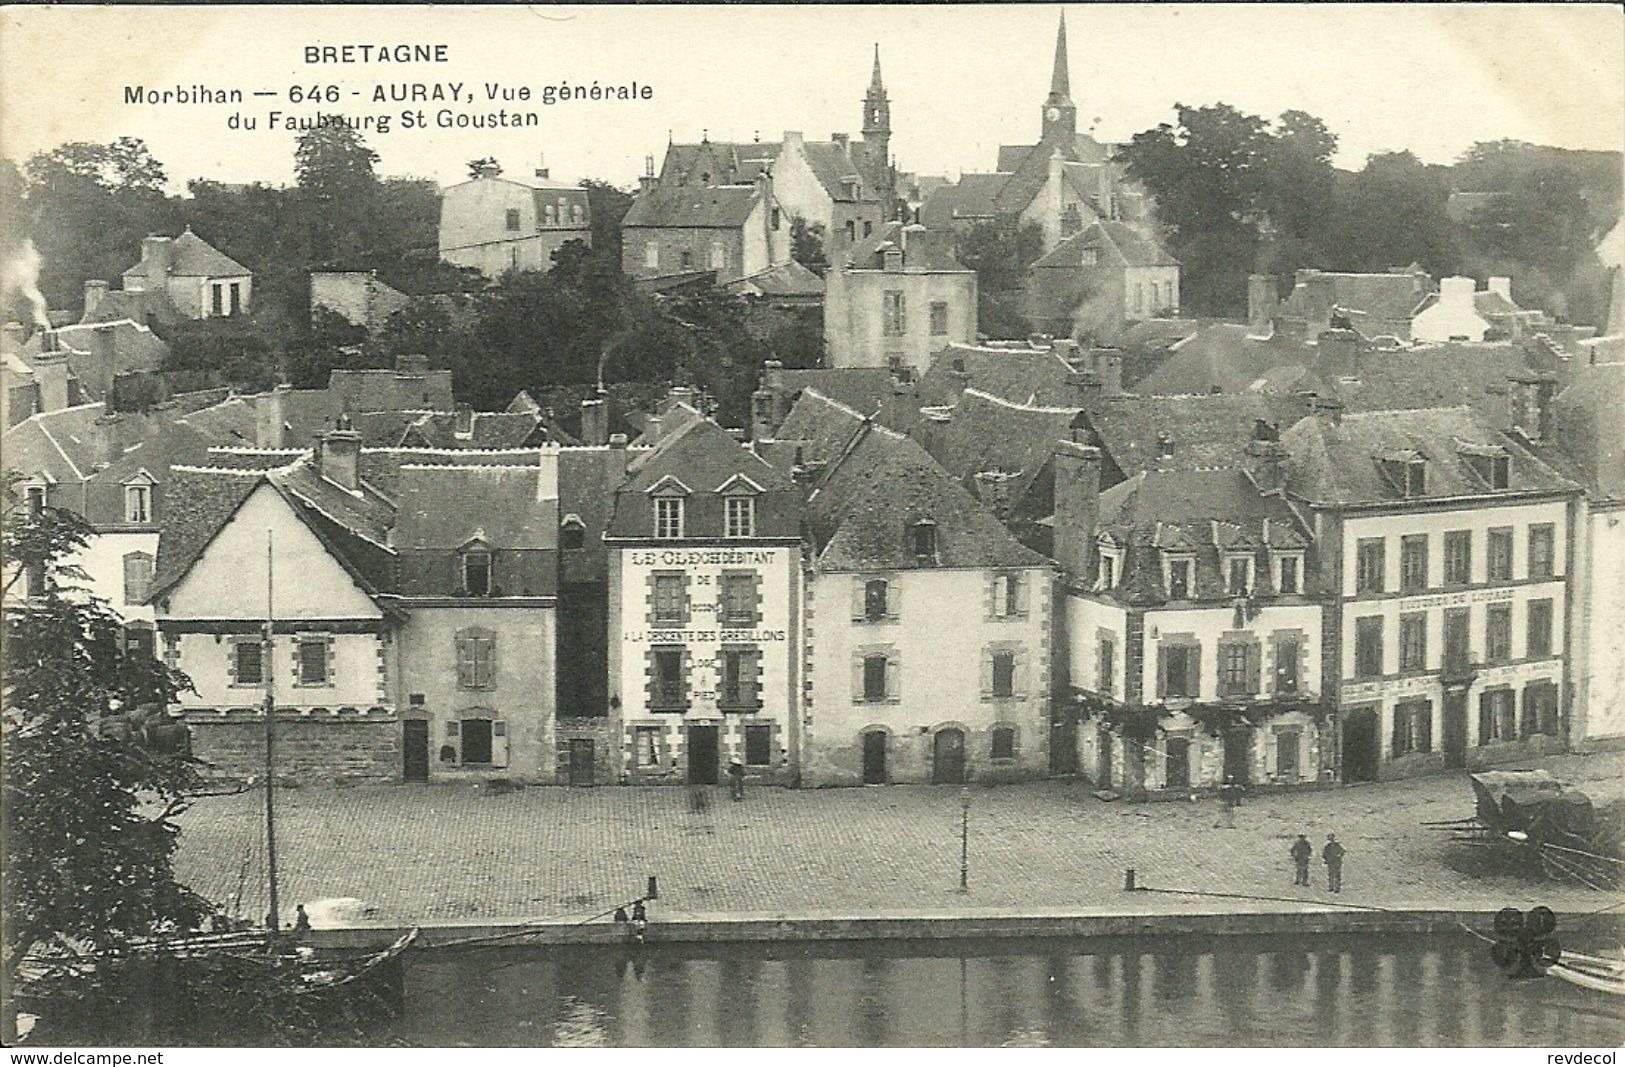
(964, 840)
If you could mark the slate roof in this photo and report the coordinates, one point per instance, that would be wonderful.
(1023, 375)
(973, 197)
(1336, 462)
(204, 502)
(820, 426)
(985, 433)
(884, 483)
(588, 478)
(1210, 514)
(71, 444)
(1588, 436)
(487, 429)
(1387, 297)
(388, 389)
(923, 249)
(1202, 431)
(862, 388)
(831, 163)
(192, 257)
(1085, 149)
(702, 455)
(1116, 245)
(723, 207)
(1031, 171)
(784, 280)
(443, 507)
(146, 308)
(739, 161)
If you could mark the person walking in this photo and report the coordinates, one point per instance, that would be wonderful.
(736, 779)
(1302, 852)
(301, 921)
(1332, 856)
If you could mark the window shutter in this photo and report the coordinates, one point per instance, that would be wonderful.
(1398, 744)
(1486, 718)
(1162, 672)
(1194, 658)
(1018, 677)
(231, 662)
(499, 743)
(894, 599)
(860, 591)
(1254, 667)
(1425, 741)
(751, 683)
(857, 677)
(465, 661)
(987, 673)
(1021, 586)
(894, 678)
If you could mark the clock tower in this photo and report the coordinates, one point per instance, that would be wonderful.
(1060, 115)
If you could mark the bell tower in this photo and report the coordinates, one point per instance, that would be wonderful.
(1060, 114)
(877, 112)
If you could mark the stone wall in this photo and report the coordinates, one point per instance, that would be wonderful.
(604, 733)
(308, 749)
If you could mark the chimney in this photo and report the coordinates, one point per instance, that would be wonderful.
(1457, 293)
(1108, 366)
(1265, 454)
(841, 140)
(682, 394)
(1077, 507)
(1262, 300)
(595, 420)
(1531, 396)
(891, 259)
(95, 289)
(271, 418)
(1502, 286)
(792, 137)
(541, 165)
(993, 490)
(1340, 353)
(412, 366)
(337, 454)
(159, 251)
(763, 405)
(617, 440)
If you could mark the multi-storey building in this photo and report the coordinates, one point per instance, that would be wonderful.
(1447, 547)
(704, 608)
(496, 224)
(899, 300)
(929, 626)
(411, 600)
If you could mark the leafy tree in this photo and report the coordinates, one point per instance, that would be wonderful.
(1000, 253)
(224, 351)
(331, 342)
(340, 193)
(1392, 213)
(478, 167)
(92, 784)
(807, 245)
(607, 205)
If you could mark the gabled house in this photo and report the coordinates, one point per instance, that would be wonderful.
(930, 648)
(182, 276)
(705, 599)
(1103, 276)
(731, 231)
(413, 603)
(496, 224)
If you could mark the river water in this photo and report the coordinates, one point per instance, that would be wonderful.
(1333, 990)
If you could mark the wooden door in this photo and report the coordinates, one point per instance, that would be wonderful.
(948, 757)
(1178, 767)
(415, 750)
(874, 758)
(1360, 739)
(581, 761)
(703, 751)
(1063, 746)
(1286, 755)
(1237, 754)
(1455, 728)
(1103, 769)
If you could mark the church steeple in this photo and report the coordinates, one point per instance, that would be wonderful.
(876, 107)
(1060, 115)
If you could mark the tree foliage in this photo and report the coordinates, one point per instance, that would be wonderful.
(93, 780)
(1000, 253)
(807, 245)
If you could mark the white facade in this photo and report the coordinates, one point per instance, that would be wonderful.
(1600, 626)
(938, 635)
(1453, 317)
(656, 734)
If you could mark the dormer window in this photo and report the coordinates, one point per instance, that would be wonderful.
(1177, 576)
(1165, 446)
(138, 503)
(668, 517)
(477, 570)
(1406, 471)
(1238, 575)
(739, 516)
(1289, 573)
(1108, 564)
(1490, 462)
(1416, 472)
(922, 538)
(35, 494)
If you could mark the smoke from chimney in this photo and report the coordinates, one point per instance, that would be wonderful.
(22, 273)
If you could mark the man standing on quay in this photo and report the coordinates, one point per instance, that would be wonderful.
(1302, 852)
(1332, 855)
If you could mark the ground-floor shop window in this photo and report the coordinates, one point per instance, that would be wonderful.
(1413, 727)
(646, 746)
(1496, 720)
(1539, 710)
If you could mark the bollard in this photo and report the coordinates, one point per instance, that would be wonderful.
(1128, 880)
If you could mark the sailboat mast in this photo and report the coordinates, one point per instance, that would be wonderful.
(273, 917)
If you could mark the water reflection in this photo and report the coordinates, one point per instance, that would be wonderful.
(1350, 991)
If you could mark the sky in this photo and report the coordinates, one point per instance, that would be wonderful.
(962, 79)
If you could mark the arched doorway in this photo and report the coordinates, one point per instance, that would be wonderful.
(948, 757)
(874, 757)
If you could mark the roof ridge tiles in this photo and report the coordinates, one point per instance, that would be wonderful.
(832, 402)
